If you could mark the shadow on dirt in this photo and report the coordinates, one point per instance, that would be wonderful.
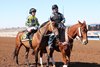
(79, 64)
(72, 64)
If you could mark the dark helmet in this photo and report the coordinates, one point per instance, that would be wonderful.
(32, 10)
(55, 7)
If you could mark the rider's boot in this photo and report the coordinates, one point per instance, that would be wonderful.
(50, 42)
(28, 37)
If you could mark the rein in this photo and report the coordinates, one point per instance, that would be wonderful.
(69, 35)
(44, 34)
(79, 30)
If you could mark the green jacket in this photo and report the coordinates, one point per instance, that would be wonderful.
(32, 21)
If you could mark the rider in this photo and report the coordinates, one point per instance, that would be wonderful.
(32, 22)
(58, 18)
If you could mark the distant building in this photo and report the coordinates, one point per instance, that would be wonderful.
(94, 31)
(94, 27)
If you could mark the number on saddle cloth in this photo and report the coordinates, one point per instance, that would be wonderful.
(24, 36)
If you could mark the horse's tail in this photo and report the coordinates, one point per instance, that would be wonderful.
(17, 46)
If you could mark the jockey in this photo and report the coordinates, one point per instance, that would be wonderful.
(56, 15)
(32, 22)
(58, 18)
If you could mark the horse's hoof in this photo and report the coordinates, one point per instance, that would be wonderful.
(54, 65)
(17, 63)
(29, 66)
(47, 66)
(41, 65)
(65, 65)
(33, 53)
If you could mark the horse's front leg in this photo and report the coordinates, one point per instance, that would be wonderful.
(65, 59)
(26, 56)
(41, 62)
(48, 57)
(36, 57)
(51, 56)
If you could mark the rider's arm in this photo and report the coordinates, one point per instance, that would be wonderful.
(63, 18)
(37, 22)
(28, 22)
(51, 17)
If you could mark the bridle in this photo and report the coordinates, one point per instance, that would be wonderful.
(79, 31)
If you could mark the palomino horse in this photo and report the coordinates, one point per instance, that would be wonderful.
(36, 40)
(65, 42)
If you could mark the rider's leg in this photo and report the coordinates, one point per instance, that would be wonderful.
(51, 38)
(28, 32)
(28, 35)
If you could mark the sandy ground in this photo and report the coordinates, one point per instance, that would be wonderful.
(82, 55)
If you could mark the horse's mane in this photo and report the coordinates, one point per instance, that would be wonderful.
(44, 24)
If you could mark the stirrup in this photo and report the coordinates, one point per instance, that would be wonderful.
(49, 47)
(27, 37)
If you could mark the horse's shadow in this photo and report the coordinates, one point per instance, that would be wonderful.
(72, 64)
(79, 64)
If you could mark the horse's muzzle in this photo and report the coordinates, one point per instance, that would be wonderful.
(84, 42)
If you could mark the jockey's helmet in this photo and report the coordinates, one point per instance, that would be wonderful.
(54, 7)
(32, 10)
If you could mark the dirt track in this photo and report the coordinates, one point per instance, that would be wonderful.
(82, 55)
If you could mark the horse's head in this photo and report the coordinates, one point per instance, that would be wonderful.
(82, 32)
(52, 27)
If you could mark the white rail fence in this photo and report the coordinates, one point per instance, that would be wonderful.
(8, 34)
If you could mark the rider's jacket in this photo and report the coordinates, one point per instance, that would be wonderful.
(57, 17)
(32, 21)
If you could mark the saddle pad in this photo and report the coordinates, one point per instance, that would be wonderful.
(24, 37)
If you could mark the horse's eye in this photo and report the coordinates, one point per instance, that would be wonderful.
(85, 30)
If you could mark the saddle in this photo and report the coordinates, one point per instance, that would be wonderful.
(24, 36)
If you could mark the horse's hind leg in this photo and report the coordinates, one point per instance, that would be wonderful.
(41, 62)
(36, 57)
(51, 56)
(16, 52)
(26, 56)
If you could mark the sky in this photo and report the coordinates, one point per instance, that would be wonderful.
(14, 13)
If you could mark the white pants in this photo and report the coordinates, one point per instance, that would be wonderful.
(31, 28)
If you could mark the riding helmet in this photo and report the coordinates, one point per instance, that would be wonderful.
(32, 10)
(54, 6)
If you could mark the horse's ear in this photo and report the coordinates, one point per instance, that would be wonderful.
(84, 22)
(79, 22)
(53, 23)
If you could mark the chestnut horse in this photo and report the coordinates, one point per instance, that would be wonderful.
(36, 40)
(65, 42)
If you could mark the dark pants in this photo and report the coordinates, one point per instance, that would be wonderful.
(29, 36)
(51, 38)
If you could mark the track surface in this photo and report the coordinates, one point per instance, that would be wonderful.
(81, 56)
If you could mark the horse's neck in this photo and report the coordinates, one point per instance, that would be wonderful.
(72, 32)
(42, 30)
(39, 34)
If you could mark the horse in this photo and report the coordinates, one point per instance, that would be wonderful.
(36, 40)
(65, 42)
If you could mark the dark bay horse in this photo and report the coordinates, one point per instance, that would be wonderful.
(65, 42)
(36, 40)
